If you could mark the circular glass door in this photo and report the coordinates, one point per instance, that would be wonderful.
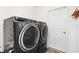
(29, 37)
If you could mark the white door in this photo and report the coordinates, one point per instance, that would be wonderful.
(58, 29)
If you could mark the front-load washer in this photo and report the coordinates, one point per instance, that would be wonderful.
(42, 45)
(21, 35)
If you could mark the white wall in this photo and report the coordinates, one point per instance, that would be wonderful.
(72, 25)
(5, 12)
(42, 12)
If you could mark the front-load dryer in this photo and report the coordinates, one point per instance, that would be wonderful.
(21, 35)
(42, 46)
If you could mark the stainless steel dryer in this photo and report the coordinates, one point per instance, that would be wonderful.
(21, 35)
(42, 45)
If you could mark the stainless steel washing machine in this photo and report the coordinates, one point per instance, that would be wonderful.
(20, 35)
